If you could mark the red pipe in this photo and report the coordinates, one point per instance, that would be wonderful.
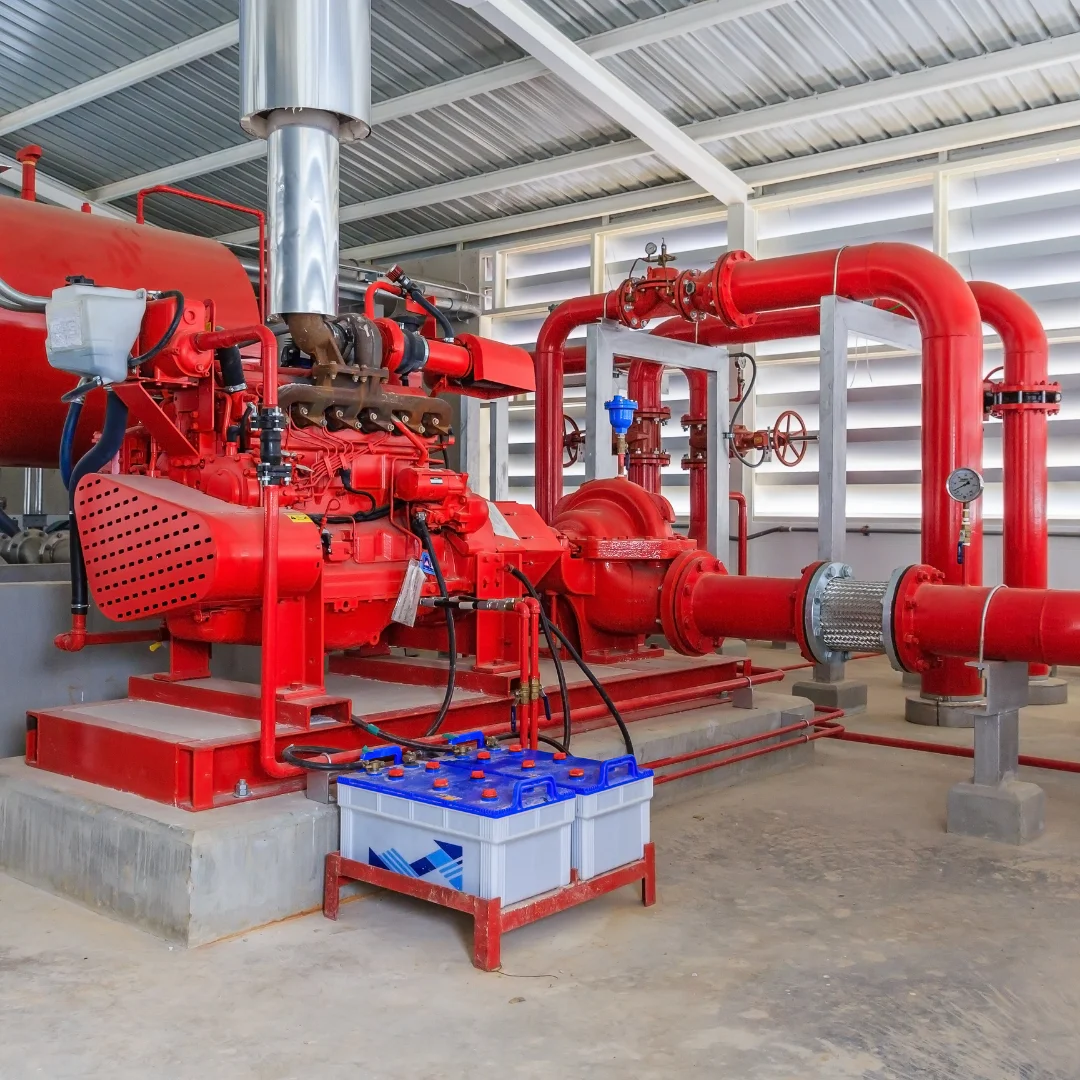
(260, 217)
(219, 339)
(644, 386)
(745, 607)
(28, 157)
(1020, 624)
(1057, 764)
(823, 729)
(739, 499)
(1024, 438)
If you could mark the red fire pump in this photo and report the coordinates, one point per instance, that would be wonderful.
(296, 501)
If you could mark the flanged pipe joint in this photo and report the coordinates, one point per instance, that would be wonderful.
(913, 618)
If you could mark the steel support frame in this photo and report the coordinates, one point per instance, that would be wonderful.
(840, 319)
(490, 919)
(606, 340)
(201, 771)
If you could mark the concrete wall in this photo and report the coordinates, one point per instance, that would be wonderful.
(35, 674)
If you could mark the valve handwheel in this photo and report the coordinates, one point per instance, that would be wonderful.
(789, 438)
(572, 441)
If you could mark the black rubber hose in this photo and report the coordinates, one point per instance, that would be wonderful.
(420, 525)
(178, 314)
(586, 670)
(399, 740)
(97, 457)
(233, 379)
(545, 625)
(8, 525)
(67, 440)
(439, 316)
(291, 755)
(346, 482)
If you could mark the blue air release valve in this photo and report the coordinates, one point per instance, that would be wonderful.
(620, 412)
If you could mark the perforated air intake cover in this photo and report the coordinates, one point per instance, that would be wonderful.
(153, 546)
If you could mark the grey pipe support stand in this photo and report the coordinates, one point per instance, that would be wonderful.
(993, 804)
(841, 318)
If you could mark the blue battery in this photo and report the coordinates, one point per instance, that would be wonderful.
(491, 835)
(612, 798)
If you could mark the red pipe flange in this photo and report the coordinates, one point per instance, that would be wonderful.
(905, 648)
(677, 602)
(799, 622)
(685, 292)
(722, 300)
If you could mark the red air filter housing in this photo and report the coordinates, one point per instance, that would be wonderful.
(153, 546)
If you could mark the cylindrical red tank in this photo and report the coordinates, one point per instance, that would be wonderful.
(42, 246)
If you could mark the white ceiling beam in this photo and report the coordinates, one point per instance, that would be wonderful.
(213, 41)
(1062, 117)
(56, 191)
(518, 22)
(534, 219)
(897, 88)
(636, 35)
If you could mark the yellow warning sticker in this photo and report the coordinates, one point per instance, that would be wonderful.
(299, 517)
(450, 798)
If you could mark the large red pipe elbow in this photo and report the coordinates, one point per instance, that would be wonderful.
(1024, 437)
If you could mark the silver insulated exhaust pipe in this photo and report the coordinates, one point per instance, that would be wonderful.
(305, 86)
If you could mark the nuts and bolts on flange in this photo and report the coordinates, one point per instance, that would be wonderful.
(241, 791)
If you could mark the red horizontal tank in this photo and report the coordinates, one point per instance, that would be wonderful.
(42, 246)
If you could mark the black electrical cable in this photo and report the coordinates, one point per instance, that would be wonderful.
(97, 457)
(373, 514)
(178, 314)
(290, 754)
(586, 670)
(420, 526)
(346, 483)
(545, 625)
(67, 440)
(738, 410)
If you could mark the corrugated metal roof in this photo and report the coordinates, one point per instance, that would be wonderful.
(790, 51)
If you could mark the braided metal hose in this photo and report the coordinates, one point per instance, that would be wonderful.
(851, 615)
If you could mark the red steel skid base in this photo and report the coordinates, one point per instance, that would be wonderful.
(490, 919)
(189, 743)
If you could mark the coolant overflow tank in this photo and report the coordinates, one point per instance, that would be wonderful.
(90, 330)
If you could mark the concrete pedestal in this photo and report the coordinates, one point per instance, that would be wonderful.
(733, 647)
(189, 878)
(911, 679)
(848, 694)
(1046, 690)
(193, 878)
(1012, 812)
(937, 712)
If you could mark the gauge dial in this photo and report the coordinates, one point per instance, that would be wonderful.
(965, 485)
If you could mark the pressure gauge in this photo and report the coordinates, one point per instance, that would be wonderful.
(965, 485)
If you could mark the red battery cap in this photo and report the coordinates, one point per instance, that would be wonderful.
(431, 765)
(489, 793)
(397, 770)
(477, 774)
(442, 782)
(576, 773)
(528, 764)
(516, 748)
(558, 756)
(483, 755)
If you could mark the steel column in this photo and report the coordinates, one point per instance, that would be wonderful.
(499, 449)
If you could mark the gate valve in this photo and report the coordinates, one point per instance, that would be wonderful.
(787, 439)
(573, 439)
(620, 412)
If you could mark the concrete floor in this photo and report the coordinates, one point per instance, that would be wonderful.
(816, 924)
